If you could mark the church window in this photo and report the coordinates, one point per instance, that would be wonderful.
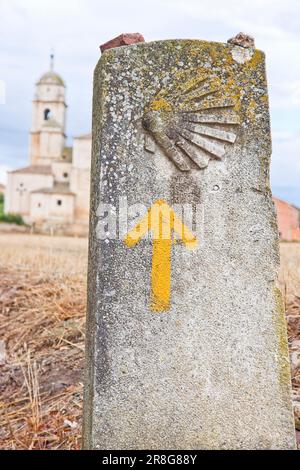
(47, 114)
(59, 202)
(39, 204)
(65, 175)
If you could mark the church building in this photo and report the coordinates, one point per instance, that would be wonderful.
(52, 193)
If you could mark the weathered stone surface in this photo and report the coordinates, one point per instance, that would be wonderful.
(125, 39)
(195, 358)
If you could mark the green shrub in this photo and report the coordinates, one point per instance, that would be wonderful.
(11, 219)
(1, 203)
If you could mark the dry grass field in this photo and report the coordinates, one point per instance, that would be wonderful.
(42, 314)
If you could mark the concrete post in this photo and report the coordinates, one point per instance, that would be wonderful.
(186, 338)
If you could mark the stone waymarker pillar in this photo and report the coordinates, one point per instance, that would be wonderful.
(186, 339)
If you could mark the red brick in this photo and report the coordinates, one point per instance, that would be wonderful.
(288, 220)
(125, 39)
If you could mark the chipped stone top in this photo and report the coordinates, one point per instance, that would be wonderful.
(243, 40)
(124, 39)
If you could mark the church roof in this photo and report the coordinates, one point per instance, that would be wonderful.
(34, 170)
(278, 200)
(51, 78)
(58, 188)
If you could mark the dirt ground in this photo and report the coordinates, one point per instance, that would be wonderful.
(42, 316)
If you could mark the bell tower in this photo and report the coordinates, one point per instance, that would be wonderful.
(47, 134)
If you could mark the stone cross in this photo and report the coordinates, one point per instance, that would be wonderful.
(186, 337)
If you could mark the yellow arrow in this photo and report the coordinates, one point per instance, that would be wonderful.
(162, 221)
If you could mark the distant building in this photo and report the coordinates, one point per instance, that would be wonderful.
(2, 188)
(53, 191)
(288, 217)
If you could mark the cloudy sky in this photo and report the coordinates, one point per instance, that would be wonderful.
(76, 28)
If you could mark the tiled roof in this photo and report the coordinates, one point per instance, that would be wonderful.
(58, 188)
(34, 170)
(278, 200)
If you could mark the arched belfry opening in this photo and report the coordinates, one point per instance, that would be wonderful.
(47, 114)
